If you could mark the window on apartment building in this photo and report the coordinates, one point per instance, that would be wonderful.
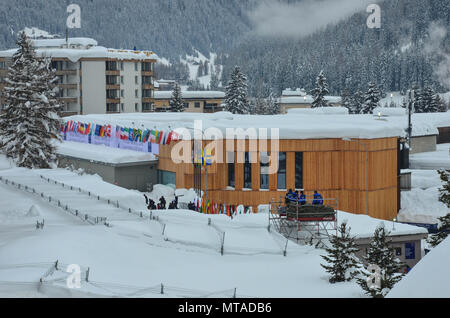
(2, 65)
(146, 80)
(121, 80)
(299, 170)
(186, 105)
(146, 67)
(122, 93)
(136, 67)
(197, 104)
(264, 175)
(147, 93)
(111, 66)
(136, 80)
(112, 108)
(57, 65)
(247, 171)
(146, 107)
(111, 80)
(121, 66)
(231, 171)
(122, 107)
(281, 171)
(136, 93)
(136, 107)
(112, 93)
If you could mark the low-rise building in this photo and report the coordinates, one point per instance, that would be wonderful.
(195, 101)
(93, 79)
(298, 98)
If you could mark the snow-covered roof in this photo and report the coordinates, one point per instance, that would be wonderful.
(294, 92)
(102, 153)
(337, 110)
(191, 94)
(81, 48)
(429, 278)
(308, 99)
(363, 226)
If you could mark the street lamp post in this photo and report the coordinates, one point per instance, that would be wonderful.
(367, 169)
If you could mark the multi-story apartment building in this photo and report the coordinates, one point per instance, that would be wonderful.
(93, 79)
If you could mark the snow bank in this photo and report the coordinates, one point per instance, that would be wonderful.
(319, 111)
(439, 159)
(421, 204)
(102, 153)
(429, 278)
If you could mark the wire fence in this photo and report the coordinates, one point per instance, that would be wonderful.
(58, 203)
(56, 276)
(115, 203)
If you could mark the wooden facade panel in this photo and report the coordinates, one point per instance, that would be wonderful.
(334, 167)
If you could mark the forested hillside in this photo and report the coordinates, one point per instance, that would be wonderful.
(168, 27)
(407, 48)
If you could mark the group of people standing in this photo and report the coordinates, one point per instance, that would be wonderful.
(300, 198)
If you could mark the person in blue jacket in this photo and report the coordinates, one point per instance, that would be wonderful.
(318, 199)
(302, 199)
(288, 196)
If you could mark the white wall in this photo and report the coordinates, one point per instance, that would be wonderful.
(129, 86)
(94, 87)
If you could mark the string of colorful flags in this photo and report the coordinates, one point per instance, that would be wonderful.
(209, 207)
(144, 140)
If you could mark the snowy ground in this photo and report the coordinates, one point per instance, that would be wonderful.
(421, 204)
(439, 159)
(135, 255)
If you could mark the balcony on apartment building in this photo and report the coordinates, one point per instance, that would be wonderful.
(63, 67)
(112, 96)
(112, 68)
(147, 68)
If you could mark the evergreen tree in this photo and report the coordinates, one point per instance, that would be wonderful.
(214, 84)
(343, 263)
(418, 104)
(380, 254)
(176, 103)
(273, 104)
(437, 104)
(320, 91)
(427, 105)
(346, 100)
(236, 99)
(356, 103)
(443, 231)
(30, 124)
(444, 195)
(371, 100)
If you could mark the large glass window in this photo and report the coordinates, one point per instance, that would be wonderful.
(299, 170)
(247, 171)
(264, 163)
(167, 178)
(231, 171)
(281, 170)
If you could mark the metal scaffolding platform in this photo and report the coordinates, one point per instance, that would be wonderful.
(304, 223)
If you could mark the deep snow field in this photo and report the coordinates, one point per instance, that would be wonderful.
(135, 255)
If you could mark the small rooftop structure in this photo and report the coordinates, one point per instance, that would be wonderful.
(75, 49)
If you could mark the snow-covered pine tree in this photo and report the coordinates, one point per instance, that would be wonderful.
(438, 104)
(259, 106)
(418, 105)
(176, 103)
(273, 104)
(371, 100)
(30, 124)
(443, 231)
(444, 192)
(427, 105)
(320, 91)
(356, 103)
(380, 254)
(214, 84)
(342, 262)
(236, 98)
